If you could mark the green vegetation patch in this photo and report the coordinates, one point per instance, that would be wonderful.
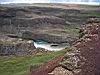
(20, 65)
(72, 31)
(95, 14)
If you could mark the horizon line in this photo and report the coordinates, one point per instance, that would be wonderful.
(84, 3)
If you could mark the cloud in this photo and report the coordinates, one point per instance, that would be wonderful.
(89, 2)
(86, 3)
(25, 1)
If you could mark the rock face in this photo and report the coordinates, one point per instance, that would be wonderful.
(61, 71)
(15, 49)
(34, 22)
(90, 48)
(86, 61)
(32, 18)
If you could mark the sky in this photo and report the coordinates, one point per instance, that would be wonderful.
(91, 2)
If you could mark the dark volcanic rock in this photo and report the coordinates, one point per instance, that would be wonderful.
(16, 49)
(89, 50)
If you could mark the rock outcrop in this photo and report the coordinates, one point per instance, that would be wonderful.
(85, 54)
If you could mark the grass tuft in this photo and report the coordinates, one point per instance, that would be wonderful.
(20, 65)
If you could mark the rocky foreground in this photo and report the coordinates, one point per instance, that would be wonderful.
(83, 58)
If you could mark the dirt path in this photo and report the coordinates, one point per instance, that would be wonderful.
(47, 67)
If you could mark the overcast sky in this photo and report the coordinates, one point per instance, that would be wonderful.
(94, 2)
